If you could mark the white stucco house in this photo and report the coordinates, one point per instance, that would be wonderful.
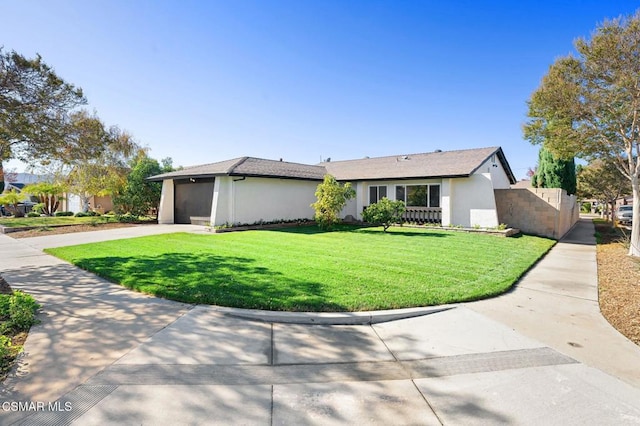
(452, 187)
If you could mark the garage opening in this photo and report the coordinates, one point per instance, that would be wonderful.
(192, 197)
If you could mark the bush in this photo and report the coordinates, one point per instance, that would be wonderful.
(58, 214)
(38, 208)
(385, 212)
(33, 214)
(17, 311)
(5, 347)
(126, 218)
(585, 207)
(81, 214)
(331, 199)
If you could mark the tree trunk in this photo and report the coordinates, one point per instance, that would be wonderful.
(84, 199)
(1, 178)
(634, 247)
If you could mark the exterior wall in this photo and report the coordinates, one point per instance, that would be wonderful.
(250, 200)
(446, 200)
(101, 204)
(499, 177)
(351, 209)
(362, 194)
(473, 202)
(165, 211)
(548, 212)
(222, 203)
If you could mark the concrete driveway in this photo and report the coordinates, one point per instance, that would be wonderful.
(540, 354)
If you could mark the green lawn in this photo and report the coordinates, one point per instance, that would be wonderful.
(20, 222)
(302, 269)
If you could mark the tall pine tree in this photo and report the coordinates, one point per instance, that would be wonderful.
(554, 172)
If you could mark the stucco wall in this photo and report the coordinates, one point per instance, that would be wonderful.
(253, 199)
(165, 212)
(547, 212)
(473, 202)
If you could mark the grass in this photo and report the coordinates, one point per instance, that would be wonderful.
(303, 269)
(21, 222)
(17, 315)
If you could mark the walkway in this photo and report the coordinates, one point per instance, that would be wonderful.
(105, 355)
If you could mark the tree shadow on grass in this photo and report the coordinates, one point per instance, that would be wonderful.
(210, 279)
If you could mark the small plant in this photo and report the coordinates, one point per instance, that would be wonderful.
(17, 312)
(81, 214)
(502, 226)
(476, 226)
(6, 348)
(331, 199)
(385, 212)
(126, 218)
(62, 214)
(33, 214)
(38, 208)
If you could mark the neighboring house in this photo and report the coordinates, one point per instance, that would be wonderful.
(72, 203)
(452, 188)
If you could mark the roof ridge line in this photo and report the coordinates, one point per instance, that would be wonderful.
(418, 153)
(236, 164)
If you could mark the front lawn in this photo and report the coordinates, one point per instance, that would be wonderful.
(21, 222)
(303, 269)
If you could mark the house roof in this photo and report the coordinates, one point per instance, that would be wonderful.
(461, 163)
(439, 164)
(249, 166)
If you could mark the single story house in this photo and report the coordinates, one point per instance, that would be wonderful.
(452, 188)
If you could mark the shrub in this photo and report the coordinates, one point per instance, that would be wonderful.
(81, 214)
(33, 214)
(585, 207)
(17, 311)
(5, 347)
(126, 218)
(331, 199)
(38, 208)
(58, 214)
(385, 212)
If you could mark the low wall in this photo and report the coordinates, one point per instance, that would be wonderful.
(548, 212)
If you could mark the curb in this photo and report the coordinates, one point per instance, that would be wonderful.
(328, 318)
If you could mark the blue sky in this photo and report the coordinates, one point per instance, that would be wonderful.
(204, 81)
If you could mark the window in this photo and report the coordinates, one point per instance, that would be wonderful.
(434, 195)
(419, 195)
(377, 193)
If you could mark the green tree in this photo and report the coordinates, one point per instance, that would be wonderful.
(11, 200)
(331, 199)
(589, 105)
(602, 181)
(97, 156)
(34, 107)
(385, 212)
(138, 195)
(49, 195)
(554, 172)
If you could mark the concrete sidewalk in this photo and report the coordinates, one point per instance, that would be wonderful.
(105, 355)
